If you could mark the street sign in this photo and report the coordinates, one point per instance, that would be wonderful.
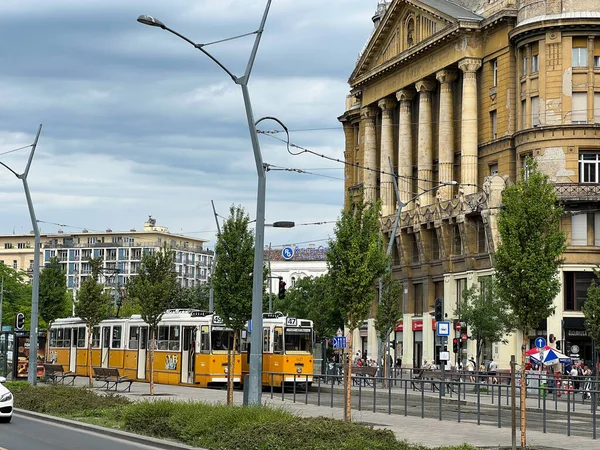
(540, 342)
(444, 356)
(287, 253)
(442, 328)
(339, 342)
(339, 332)
(575, 349)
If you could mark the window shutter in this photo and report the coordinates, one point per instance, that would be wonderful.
(579, 229)
(596, 108)
(579, 108)
(597, 229)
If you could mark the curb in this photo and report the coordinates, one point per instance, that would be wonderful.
(125, 435)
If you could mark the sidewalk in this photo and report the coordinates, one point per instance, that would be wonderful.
(428, 432)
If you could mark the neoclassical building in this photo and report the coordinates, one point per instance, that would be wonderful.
(456, 95)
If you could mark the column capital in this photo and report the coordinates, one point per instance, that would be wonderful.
(425, 85)
(405, 95)
(368, 112)
(469, 65)
(446, 76)
(386, 104)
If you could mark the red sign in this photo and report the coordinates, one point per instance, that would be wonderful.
(464, 336)
(400, 326)
(433, 322)
(417, 325)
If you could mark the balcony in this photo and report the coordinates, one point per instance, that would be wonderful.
(577, 196)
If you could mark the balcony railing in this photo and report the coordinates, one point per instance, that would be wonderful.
(577, 192)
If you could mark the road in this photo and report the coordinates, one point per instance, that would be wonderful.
(24, 433)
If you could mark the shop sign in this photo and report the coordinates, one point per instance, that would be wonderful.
(400, 326)
(417, 325)
(576, 333)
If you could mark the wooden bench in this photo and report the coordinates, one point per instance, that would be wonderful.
(362, 374)
(55, 373)
(111, 378)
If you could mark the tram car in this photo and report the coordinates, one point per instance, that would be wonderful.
(287, 350)
(191, 348)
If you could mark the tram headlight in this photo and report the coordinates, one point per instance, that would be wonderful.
(225, 369)
(299, 370)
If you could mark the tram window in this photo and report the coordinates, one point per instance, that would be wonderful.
(266, 340)
(222, 339)
(81, 337)
(204, 339)
(134, 338)
(278, 340)
(96, 337)
(168, 338)
(298, 340)
(52, 338)
(67, 338)
(105, 337)
(144, 338)
(116, 337)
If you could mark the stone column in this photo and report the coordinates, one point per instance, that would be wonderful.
(368, 116)
(469, 138)
(425, 144)
(446, 131)
(386, 185)
(405, 160)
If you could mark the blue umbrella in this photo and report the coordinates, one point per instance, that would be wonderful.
(549, 357)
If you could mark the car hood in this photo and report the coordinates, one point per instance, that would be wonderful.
(3, 389)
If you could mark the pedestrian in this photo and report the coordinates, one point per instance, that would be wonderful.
(492, 369)
(471, 369)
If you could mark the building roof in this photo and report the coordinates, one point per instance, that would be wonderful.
(451, 9)
(565, 15)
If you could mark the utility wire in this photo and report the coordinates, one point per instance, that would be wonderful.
(15, 150)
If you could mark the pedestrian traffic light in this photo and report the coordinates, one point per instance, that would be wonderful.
(439, 309)
(281, 288)
(455, 345)
(20, 321)
(464, 331)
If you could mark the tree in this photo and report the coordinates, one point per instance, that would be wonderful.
(17, 295)
(529, 255)
(486, 314)
(93, 306)
(233, 280)
(355, 260)
(310, 298)
(591, 312)
(389, 311)
(151, 289)
(195, 297)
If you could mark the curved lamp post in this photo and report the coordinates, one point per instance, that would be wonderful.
(255, 379)
(33, 327)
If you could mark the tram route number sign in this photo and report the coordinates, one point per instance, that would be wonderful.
(339, 342)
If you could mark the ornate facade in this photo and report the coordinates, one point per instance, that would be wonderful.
(452, 97)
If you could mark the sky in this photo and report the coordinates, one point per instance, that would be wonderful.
(137, 122)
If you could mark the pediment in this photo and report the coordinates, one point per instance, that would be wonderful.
(405, 24)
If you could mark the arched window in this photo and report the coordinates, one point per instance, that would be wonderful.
(410, 32)
(293, 281)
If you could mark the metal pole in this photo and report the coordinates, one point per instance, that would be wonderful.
(211, 292)
(513, 401)
(270, 284)
(1, 301)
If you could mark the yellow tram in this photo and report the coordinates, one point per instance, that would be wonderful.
(191, 347)
(287, 350)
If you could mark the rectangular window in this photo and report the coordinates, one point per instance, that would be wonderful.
(493, 169)
(266, 340)
(579, 107)
(597, 229)
(596, 108)
(134, 338)
(535, 65)
(524, 113)
(579, 229)
(589, 163)
(495, 73)
(596, 61)
(524, 65)
(15, 264)
(168, 338)
(21, 245)
(96, 337)
(461, 286)
(116, 337)
(278, 340)
(457, 244)
(435, 246)
(418, 300)
(576, 285)
(415, 249)
(579, 55)
(482, 246)
(204, 339)
(9, 245)
(523, 159)
(494, 123)
(92, 240)
(535, 111)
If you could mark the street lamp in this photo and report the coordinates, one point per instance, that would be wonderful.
(35, 288)
(255, 379)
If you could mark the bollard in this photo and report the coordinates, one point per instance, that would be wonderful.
(246, 387)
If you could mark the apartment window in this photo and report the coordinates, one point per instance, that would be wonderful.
(493, 169)
(482, 246)
(457, 244)
(588, 166)
(579, 56)
(21, 245)
(524, 113)
(8, 245)
(596, 108)
(524, 167)
(415, 249)
(418, 300)
(579, 107)
(495, 73)
(524, 65)
(92, 240)
(596, 61)
(576, 285)
(535, 111)
(597, 229)
(435, 246)
(14, 263)
(579, 229)
(494, 123)
(461, 286)
(535, 65)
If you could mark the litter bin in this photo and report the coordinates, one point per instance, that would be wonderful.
(543, 389)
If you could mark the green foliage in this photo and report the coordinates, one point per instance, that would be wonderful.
(233, 272)
(93, 304)
(389, 309)
(17, 296)
(356, 259)
(591, 310)
(310, 298)
(195, 297)
(154, 285)
(54, 298)
(531, 245)
(487, 316)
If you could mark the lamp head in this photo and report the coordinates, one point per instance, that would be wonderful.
(151, 21)
(284, 224)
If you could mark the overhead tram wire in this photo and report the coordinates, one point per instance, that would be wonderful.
(15, 150)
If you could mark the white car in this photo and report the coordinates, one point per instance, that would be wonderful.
(6, 402)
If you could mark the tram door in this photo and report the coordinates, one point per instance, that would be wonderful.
(105, 346)
(141, 362)
(187, 355)
(73, 351)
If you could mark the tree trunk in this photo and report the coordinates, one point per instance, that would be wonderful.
(348, 381)
(523, 393)
(47, 350)
(230, 370)
(152, 345)
(89, 355)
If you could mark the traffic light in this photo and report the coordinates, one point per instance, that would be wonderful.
(455, 345)
(20, 321)
(439, 309)
(464, 331)
(281, 288)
